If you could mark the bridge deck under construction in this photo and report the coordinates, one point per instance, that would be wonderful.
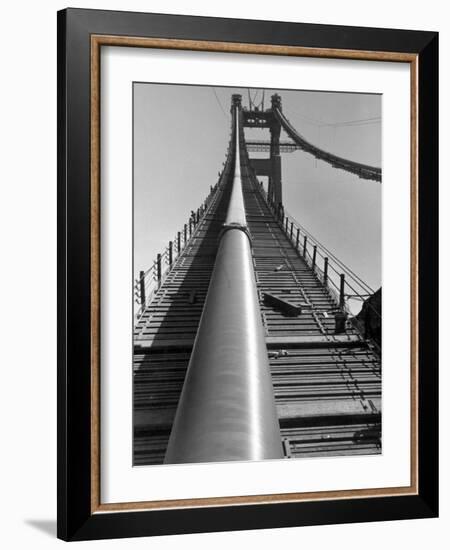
(327, 386)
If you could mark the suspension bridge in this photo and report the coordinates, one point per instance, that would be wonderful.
(244, 344)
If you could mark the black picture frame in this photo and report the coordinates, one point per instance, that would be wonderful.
(76, 519)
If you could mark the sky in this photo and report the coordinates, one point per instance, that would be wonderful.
(181, 135)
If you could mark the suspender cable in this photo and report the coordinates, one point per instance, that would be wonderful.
(227, 408)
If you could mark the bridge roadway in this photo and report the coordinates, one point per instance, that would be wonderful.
(327, 388)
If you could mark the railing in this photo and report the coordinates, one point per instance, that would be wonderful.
(342, 284)
(149, 281)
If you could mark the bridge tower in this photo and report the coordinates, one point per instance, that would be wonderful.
(242, 261)
(271, 166)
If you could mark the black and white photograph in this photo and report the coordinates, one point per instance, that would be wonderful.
(224, 277)
(257, 245)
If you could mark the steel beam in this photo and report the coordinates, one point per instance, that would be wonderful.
(275, 158)
(287, 307)
(263, 146)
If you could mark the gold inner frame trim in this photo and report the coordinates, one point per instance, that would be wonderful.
(97, 41)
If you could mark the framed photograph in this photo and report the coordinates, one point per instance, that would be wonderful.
(247, 243)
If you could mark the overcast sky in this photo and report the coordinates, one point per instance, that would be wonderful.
(180, 138)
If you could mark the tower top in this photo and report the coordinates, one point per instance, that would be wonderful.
(236, 100)
(276, 101)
